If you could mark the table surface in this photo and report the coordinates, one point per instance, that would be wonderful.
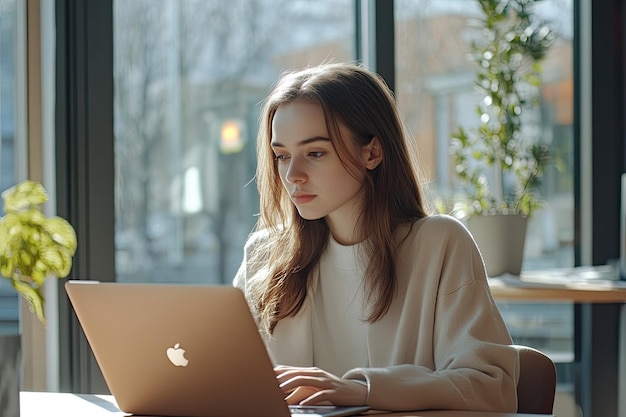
(46, 404)
(596, 284)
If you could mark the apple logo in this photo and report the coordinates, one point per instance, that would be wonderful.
(176, 355)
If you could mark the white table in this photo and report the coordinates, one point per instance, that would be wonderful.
(45, 404)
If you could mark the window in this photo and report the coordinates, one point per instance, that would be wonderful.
(435, 89)
(9, 310)
(189, 80)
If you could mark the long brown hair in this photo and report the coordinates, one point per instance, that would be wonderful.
(359, 100)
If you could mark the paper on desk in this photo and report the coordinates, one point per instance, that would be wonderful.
(603, 276)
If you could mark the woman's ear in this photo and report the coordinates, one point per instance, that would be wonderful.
(372, 154)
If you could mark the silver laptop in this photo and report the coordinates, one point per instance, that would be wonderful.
(182, 350)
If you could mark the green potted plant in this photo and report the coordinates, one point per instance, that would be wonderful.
(33, 246)
(498, 163)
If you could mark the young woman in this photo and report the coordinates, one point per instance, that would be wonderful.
(361, 295)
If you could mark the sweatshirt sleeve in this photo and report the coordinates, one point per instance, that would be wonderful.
(473, 366)
(250, 273)
(241, 277)
(248, 270)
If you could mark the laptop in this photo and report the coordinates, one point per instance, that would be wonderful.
(182, 350)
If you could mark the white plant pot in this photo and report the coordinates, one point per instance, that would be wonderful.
(10, 374)
(500, 238)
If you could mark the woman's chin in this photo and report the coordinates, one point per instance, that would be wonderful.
(308, 215)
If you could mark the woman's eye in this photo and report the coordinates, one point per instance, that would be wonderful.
(281, 158)
(317, 154)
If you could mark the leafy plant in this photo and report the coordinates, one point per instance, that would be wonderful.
(508, 77)
(33, 246)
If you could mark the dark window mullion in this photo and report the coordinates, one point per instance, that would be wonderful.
(380, 51)
(85, 166)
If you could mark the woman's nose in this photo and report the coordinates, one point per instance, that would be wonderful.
(295, 174)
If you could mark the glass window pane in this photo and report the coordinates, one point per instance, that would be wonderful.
(7, 93)
(189, 79)
(9, 308)
(436, 93)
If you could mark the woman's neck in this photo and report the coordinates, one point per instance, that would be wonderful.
(345, 233)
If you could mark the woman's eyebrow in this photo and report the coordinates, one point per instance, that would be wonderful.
(302, 142)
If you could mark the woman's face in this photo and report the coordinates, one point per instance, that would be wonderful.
(310, 169)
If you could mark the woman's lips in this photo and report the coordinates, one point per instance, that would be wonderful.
(302, 198)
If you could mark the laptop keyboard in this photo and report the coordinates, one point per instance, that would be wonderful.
(310, 409)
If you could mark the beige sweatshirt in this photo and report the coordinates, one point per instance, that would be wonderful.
(442, 344)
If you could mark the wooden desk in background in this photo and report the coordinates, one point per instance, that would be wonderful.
(598, 299)
(576, 285)
(45, 404)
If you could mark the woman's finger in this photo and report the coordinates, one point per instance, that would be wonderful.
(305, 381)
(299, 394)
(285, 373)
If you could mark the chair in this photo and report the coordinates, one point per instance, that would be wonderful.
(537, 381)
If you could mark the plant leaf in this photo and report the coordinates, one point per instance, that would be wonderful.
(61, 232)
(23, 196)
(32, 296)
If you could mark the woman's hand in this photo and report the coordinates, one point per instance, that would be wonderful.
(314, 386)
